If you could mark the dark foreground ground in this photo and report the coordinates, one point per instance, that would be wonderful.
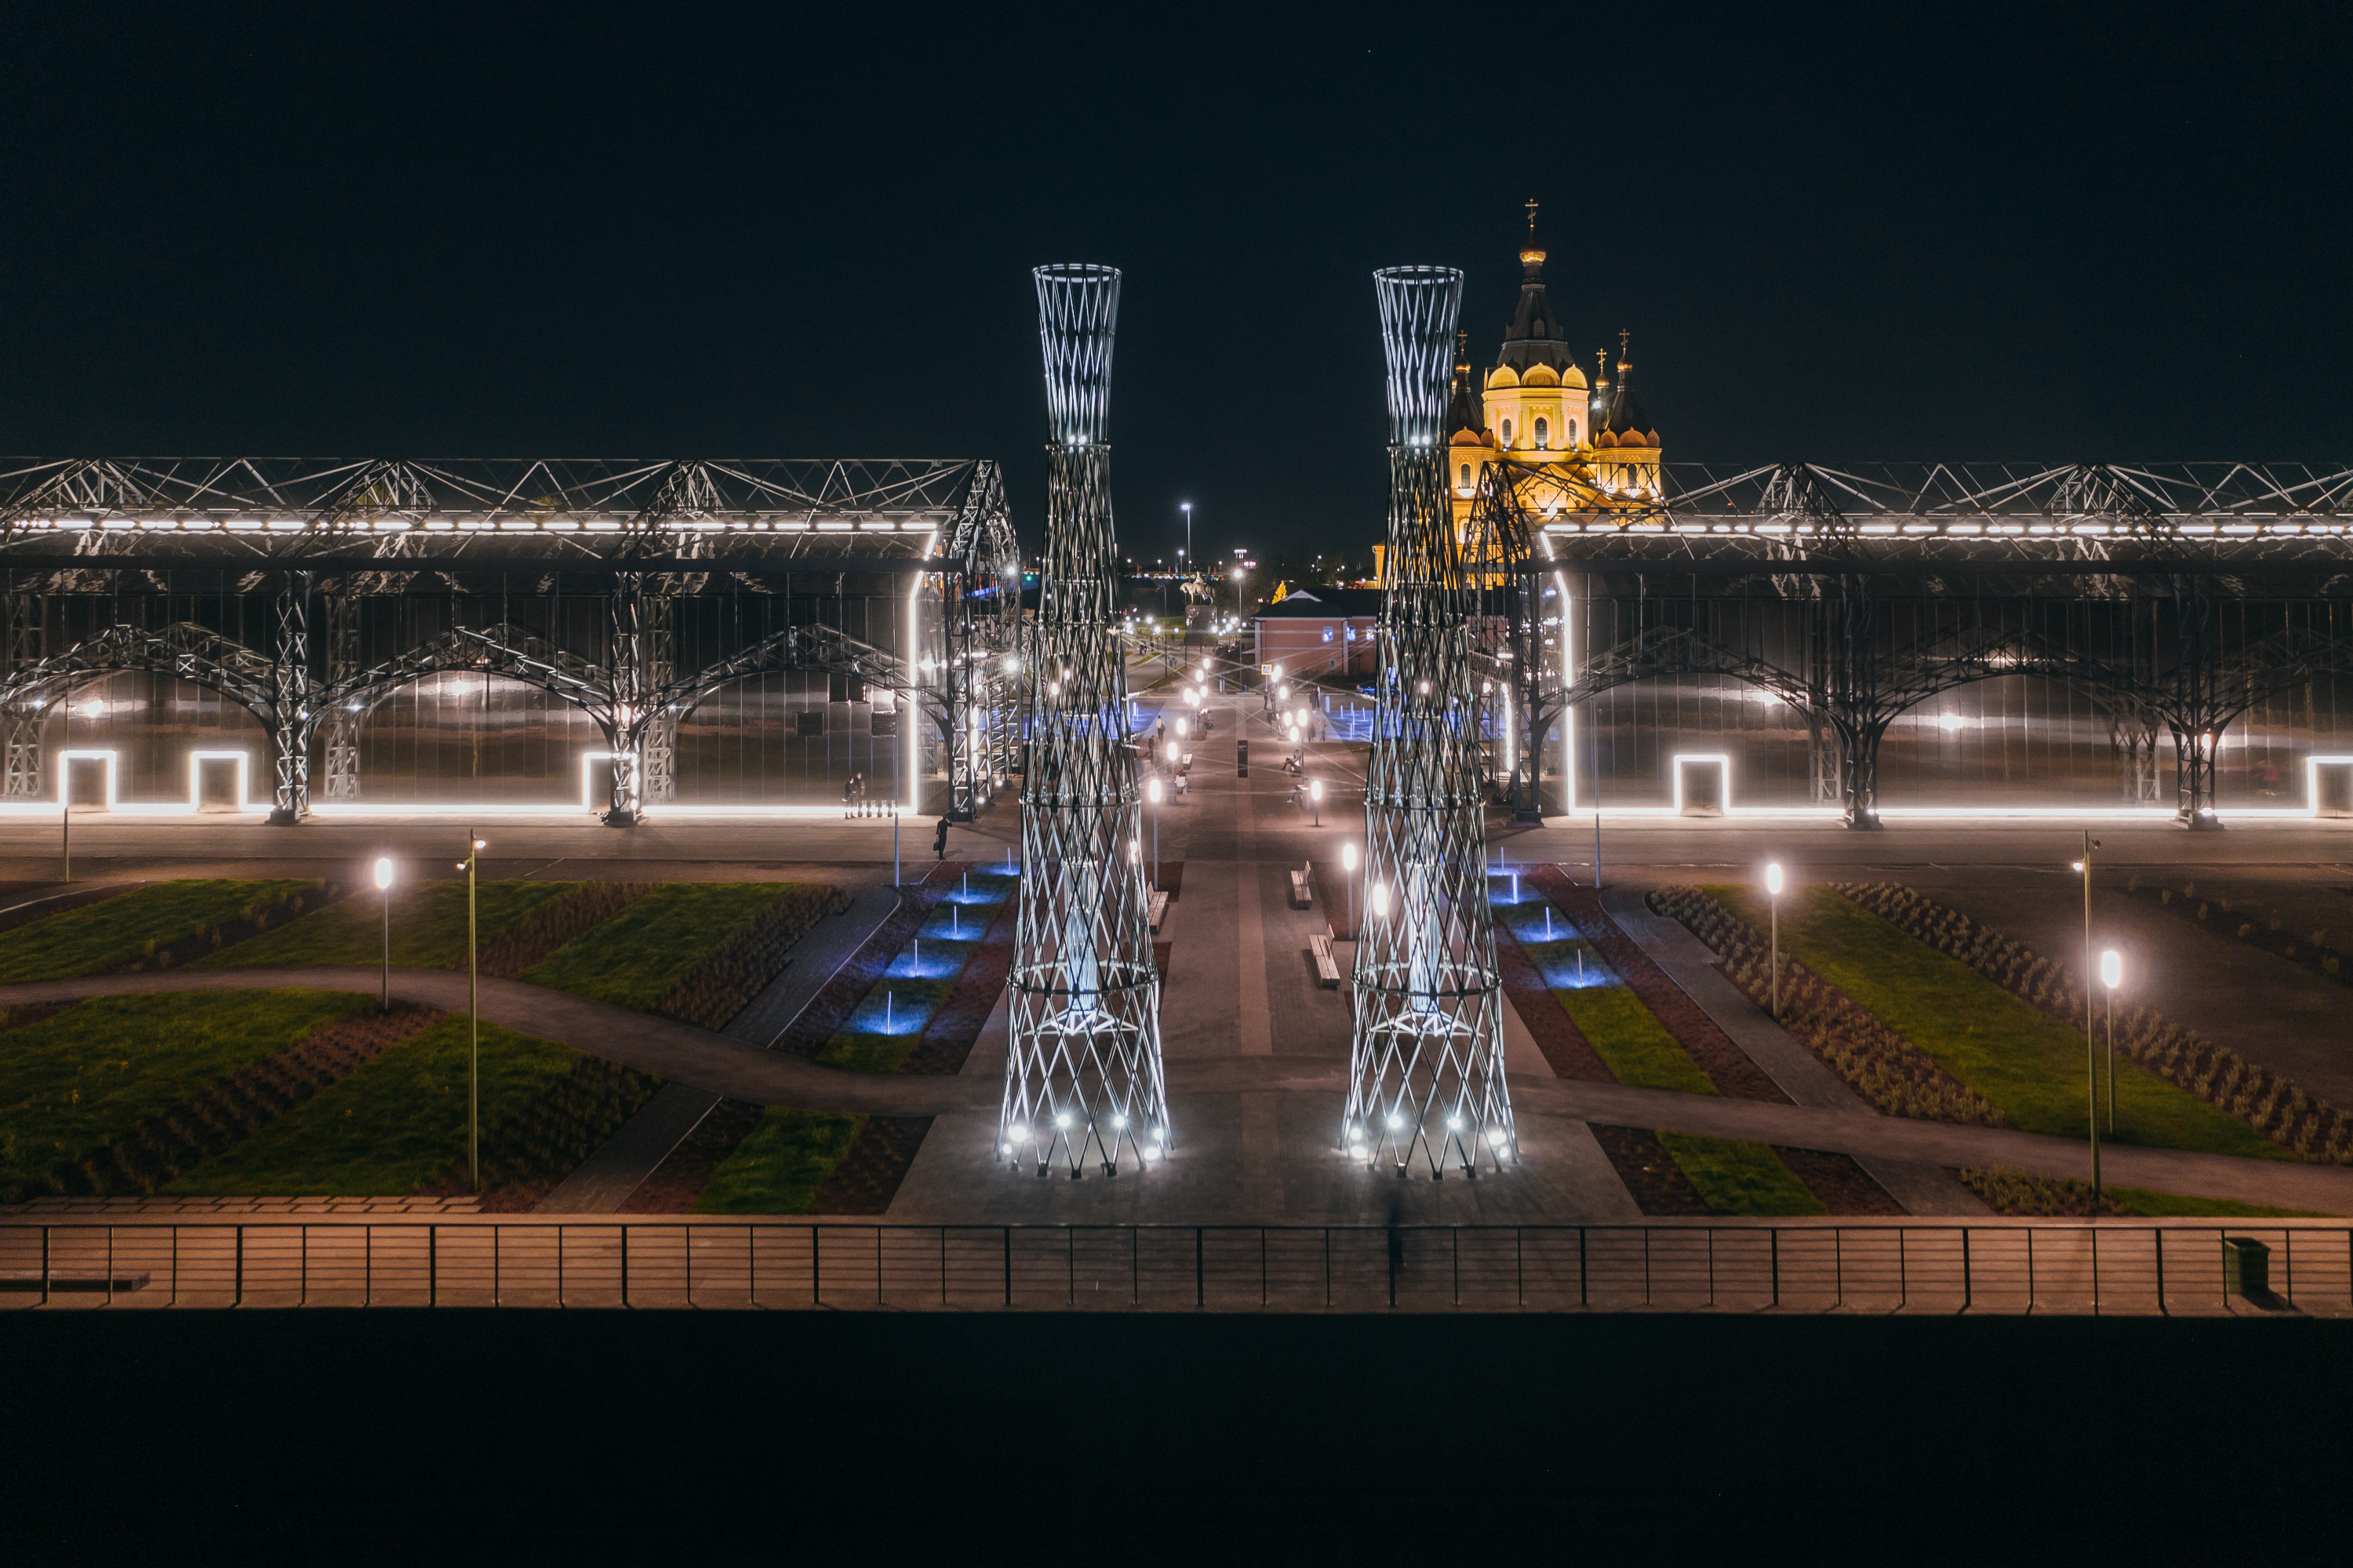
(1049, 1439)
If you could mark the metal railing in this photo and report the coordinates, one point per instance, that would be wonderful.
(2000, 1266)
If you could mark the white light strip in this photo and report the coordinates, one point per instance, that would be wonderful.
(910, 793)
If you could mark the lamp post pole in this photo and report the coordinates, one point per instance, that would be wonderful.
(1348, 876)
(65, 825)
(474, 1039)
(2091, 1040)
(1773, 893)
(2112, 975)
(1152, 792)
(384, 886)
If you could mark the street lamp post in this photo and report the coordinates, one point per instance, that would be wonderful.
(1315, 794)
(1348, 876)
(1773, 893)
(1152, 794)
(474, 1010)
(2112, 975)
(384, 886)
(2091, 1040)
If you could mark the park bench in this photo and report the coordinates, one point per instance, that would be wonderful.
(1302, 886)
(1156, 910)
(1327, 964)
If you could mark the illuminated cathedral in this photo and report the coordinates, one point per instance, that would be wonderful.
(1573, 443)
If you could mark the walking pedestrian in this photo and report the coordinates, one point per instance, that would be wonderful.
(940, 839)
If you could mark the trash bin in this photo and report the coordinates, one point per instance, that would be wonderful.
(2246, 1266)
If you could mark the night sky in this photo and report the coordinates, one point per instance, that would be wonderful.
(2043, 233)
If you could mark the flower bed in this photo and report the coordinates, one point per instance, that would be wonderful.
(538, 933)
(1881, 1066)
(830, 1012)
(948, 1038)
(689, 950)
(397, 1125)
(2270, 931)
(2213, 1073)
(155, 927)
(1728, 1066)
(428, 927)
(157, 1148)
(1565, 1049)
(753, 954)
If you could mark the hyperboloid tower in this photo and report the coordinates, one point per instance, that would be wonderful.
(1083, 1079)
(1425, 1060)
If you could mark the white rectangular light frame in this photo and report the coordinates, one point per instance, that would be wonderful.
(65, 773)
(2312, 765)
(197, 759)
(1721, 758)
(588, 760)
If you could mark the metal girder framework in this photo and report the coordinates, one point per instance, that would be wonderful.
(657, 531)
(2173, 543)
(1082, 1073)
(1425, 1056)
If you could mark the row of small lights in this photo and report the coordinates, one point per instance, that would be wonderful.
(1018, 1134)
(467, 525)
(1998, 530)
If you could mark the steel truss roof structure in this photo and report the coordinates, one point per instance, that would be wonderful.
(1992, 546)
(650, 531)
(1908, 516)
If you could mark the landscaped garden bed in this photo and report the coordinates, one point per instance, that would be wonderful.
(2025, 1064)
(1687, 1173)
(426, 929)
(398, 1124)
(104, 1095)
(161, 926)
(2016, 1193)
(1876, 1062)
(2292, 923)
(697, 951)
(2161, 1053)
(1726, 1066)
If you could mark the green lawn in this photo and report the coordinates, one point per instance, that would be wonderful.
(2156, 1205)
(1735, 1177)
(391, 1127)
(2027, 1065)
(1634, 1045)
(429, 927)
(118, 931)
(781, 1163)
(75, 1083)
(640, 956)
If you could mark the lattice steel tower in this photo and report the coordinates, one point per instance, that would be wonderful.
(1425, 1060)
(1083, 1079)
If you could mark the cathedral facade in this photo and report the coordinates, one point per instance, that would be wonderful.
(1584, 443)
